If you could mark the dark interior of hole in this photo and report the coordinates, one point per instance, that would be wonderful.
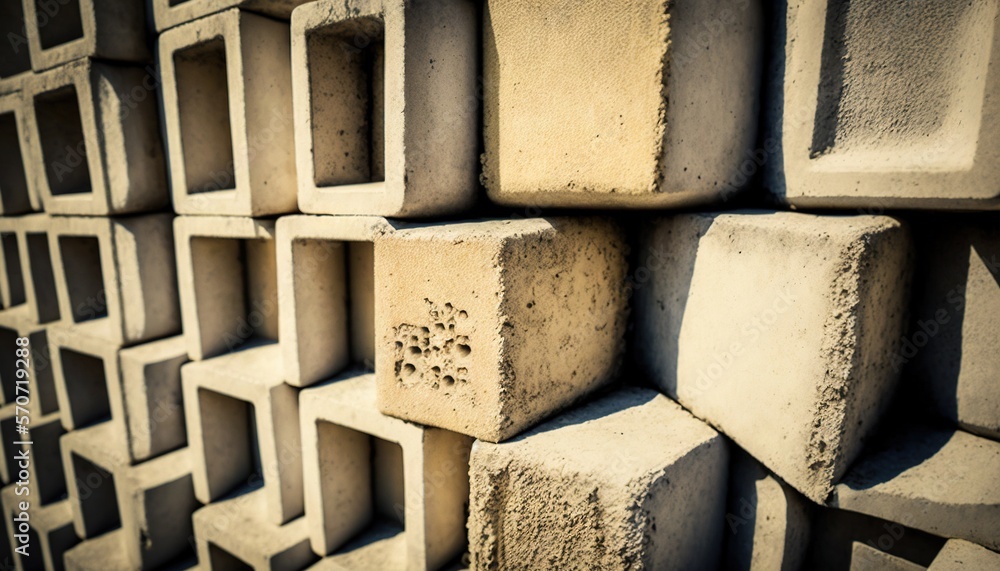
(230, 423)
(59, 21)
(13, 182)
(12, 261)
(14, 55)
(60, 129)
(95, 489)
(43, 281)
(222, 560)
(81, 260)
(387, 474)
(86, 387)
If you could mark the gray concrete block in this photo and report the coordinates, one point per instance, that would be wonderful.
(386, 106)
(629, 481)
(959, 555)
(27, 284)
(87, 378)
(778, 329)
(60, 31)
(170, 13)
(227, 106)
(18, 194)
(50, 534)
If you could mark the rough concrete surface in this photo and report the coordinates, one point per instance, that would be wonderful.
(170, 13)
(60, 32)
(960, 555)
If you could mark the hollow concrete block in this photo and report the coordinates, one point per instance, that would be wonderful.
(515, 320)
(18, 194)
(8, 448)
(326, 293)
(243, 429)
(228, 282)
(884, 105)
(362, 468)
(227, 104)
(959, 555)
(91, 458)
(88, 379)
(45, 471)
(386, 106)
(15, 55)
(106, 552)
(95, 128)
(628, 481)
(41, 379)
(50, 535)
(60, 31)
(778, 329)
(170, 13)
(27, 286)
(669, 120)
(152, 397)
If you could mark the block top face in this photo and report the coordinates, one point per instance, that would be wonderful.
(66, 30)
(254, 369)
(664, 122)
(18, 194)
(170, 13)
(887, 104)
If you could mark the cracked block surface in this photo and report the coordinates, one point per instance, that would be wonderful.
(778, 329)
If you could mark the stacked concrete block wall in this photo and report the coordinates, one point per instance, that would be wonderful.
(496, 284)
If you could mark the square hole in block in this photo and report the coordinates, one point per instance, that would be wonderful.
(81, 260)
(44, 392)
(86, 387)
(8, 431)
(222, 560)
(58, 22)
(64, 148)
(361, 483)
(14, 57)
(50, 481)
(232, 448)
(236, 288)
(8, 366)
(44, 282)
(12, 263)
(203, 111)
(32, 559)
(346, 72)
(98, 500)
(13, 180)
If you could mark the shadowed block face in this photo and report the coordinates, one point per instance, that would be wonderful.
(14, 277)
(58, 23)
(86, 386)
(220, 558)
(13, 179)
(231, 443)
(97, 496)
(43, 280)
(13, 60)
(81, 258)
(64, 149)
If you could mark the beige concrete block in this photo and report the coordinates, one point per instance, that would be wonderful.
(227, 103)
(60, 31)
(836, 533)
(326, 293)
(101, 150)
(18, 194)
(87, 379)
(43, 399)
(386, 106)
(514, 320)
(942, 482)
(646, 104)
(49, 534)
(382, 493)
(232, 535)
(884, 105)
(227, 269)
(15, 56)
(959, 555)
(243, 430)
(170, 13)
(865, 558)
(951, 346)
(767, 522)
(91, 458)
(152, 397)
(629, 481)
(778, 329)
(28, 289)
(116, 277)
(45, 471)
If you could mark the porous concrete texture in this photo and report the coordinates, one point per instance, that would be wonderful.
(227, 103)
(883, 105)
(362, 468)
(60, 31)
(942, 482)
(27, 286)
(49, 534)
(960, 555)
(778, 329)
(170, 13)
(18, 194)
(152, 398)
(243, 429)
(648, 103)
(91, 457)
(326, 292)
(386, 106)
(867, 558)
(629, 481)
(227, 272)
(116, 277)
(469, 343)
(94, 126)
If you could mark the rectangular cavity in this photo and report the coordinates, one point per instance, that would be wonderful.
(13, 179)
(95, 491)
(12, 264)
(8, 366)
(47, 462)
(231, 445)
(59, 21)
(64, 147)
(42, 279)
(83, 271)
(203, 112)
(346, 83)
(236, 292)
(222, 560)
(14, 55)
(86, 387)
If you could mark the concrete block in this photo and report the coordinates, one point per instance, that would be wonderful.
(116, 277)
(45, 472)
(152, 397)
(170, 13)
(959, 555)
(326, 291)
(669, 119)
(243, 429)
(227, 103)
(837, 533)
(87, 378)
(15, 56)
(942, 482)
(865, 558)
(18, 194)
(386, 106)
(229, 285)
(402, 487)
(105, 552)
(767, 522)
(95, 128)
(60, 31)
(42, 390)
(514, 320)
(8, 439)
(91, 458)
(50, 533)
(28, 288)
(884, 105)
(950, 348)
(628, 481)
(778, 329)
(231, 535)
